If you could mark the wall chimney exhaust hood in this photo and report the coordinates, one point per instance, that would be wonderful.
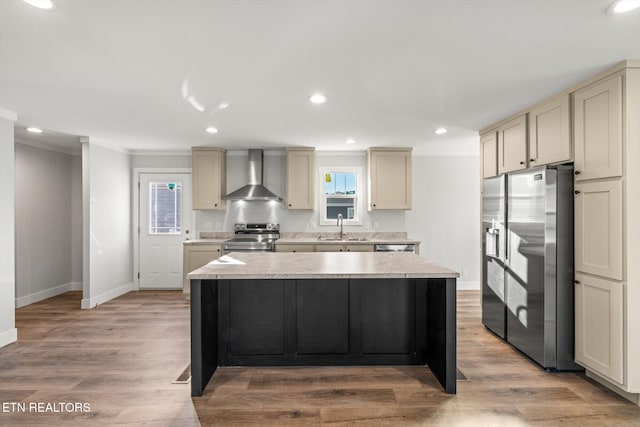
(254, 190)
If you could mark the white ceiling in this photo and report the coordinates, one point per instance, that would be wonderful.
(121, 71)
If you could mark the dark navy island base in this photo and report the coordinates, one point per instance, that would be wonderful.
(316, 322)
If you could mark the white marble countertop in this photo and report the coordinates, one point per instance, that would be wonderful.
(303, 238)
(368, 241)
(321, 265)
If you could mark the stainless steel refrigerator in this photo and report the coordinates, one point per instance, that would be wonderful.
(527, 284)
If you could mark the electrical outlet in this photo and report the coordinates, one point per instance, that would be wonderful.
(218, 226)
(208, 225)
(464, 272)
(376, 225)
(312, 225)
(367, 225)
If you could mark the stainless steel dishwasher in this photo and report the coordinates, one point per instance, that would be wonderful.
(395, 247)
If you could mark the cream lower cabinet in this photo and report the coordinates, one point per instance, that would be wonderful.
(343, 248)
(295, 248)
(599, 314)
(194, 257)
(598, 228)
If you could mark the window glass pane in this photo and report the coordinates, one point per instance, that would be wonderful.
(165, 207)
(341, 205)
(339, 183)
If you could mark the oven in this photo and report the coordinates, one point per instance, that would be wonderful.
(253, 237)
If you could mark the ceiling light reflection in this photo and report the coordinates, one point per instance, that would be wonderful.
(40, 4)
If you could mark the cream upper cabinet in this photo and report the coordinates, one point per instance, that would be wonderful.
(598, 228)
(598, 129)
(390, 177)
(209, 174)
(512, 145)
(549, 132)
(489, 152)
(599, 329)
(300, 178)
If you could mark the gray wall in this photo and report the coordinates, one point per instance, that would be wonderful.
(47, 198)
(445, 214)
(8, 331)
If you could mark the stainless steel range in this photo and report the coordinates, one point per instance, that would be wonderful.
(253, 238)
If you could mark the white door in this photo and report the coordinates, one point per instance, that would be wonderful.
(165, 212)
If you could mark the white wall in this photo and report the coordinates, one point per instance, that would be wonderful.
(110, 230)
(274, 179)
(45, 224)
(444, 217)
(446, 212)
(8, 331)
(177, 160)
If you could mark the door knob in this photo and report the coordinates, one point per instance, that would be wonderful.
(522, 163)
(577, 192)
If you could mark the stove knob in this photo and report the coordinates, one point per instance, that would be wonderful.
(269, 226)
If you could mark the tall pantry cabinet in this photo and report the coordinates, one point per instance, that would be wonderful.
(606, 121)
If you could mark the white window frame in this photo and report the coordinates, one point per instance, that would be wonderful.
(359, 196)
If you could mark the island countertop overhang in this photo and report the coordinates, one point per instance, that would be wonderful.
(322, 265)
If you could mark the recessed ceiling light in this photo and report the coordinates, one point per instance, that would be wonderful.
(223, 105)
(350, 141)
(318, 98)
(34, 130)
(622, 6)
(211, 129)
(42, 4)
(441, 131)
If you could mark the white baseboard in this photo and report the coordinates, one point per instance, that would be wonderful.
(7, 337)
(467, 286)
(107, 296)
(47, 293)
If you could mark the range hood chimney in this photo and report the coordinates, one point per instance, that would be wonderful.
(254, 190)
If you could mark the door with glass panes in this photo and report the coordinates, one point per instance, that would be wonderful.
(165, 212)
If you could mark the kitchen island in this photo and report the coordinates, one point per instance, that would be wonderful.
(313, 309)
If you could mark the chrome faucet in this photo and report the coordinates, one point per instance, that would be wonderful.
(339, 223)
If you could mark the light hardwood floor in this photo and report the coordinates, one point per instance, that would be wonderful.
(122, 357)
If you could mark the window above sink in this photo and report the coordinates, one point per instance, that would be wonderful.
(341, 192)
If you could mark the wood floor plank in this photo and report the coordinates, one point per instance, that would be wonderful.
(123, 356)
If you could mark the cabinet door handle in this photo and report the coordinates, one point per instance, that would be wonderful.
(289, 204)
(531, 160)
(522, 163)
(215, 205)
(576, 172)
(577, 282)
(374, 205)
(577, 192)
